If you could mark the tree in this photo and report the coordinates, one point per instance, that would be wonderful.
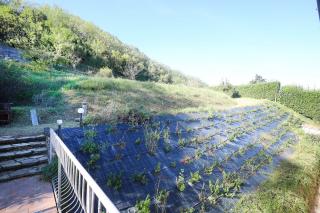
(132, 69)
(258, 79)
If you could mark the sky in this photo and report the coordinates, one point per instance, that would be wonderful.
(215, 40)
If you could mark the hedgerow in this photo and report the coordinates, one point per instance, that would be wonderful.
(268, 90)
(305, 102)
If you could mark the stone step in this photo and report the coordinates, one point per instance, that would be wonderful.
(19, 163)
(10, 175)
(14, 140)
(22, 153)
(21, 146)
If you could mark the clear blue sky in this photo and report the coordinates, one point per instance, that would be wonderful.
(214, 39)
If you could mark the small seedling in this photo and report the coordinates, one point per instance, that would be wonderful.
(180, 181)
(114, 181)
(186, 160)
(173, 164)
(93, 160)
(140, 178)
(157, 169)
(194, 177)
(161, 197)
(151, 139)
(138, 141)
(181, 142)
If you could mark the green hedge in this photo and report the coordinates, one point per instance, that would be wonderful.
(268, 90)
(305, 102)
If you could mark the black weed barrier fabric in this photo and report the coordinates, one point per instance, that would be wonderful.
(228, 142)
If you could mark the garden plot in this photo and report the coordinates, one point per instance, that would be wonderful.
(194, 161)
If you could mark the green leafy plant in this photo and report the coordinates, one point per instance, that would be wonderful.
(181, 142)
(93, 160)
(50, 170)
(137, 141)
(180, 182)
(157, 169)
(194, 177)
(90, 133)
(173, 164)
(143, 206)
(114, 181)
(161, 198)
(89, 147)
(151, 139)
(214, 192)
(140, 178)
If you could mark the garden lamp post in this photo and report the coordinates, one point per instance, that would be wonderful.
(59, 122)
(81, 111)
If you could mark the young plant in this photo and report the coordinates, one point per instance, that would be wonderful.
(214, 192)
(161, 198)
(114, 181)
(194, 177)
(93, 160)
(138, 141)
(181, 142)
(180, 183)
(186, 159)
(140, 178)
(208, 170)
(157, 169)
(151, 139)
(143, 206)
(89, 147)
(173, 164)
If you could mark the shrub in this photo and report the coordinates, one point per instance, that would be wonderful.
(90, 147)
(305, 102)
(104, 72)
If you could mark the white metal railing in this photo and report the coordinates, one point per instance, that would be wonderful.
(90, 195)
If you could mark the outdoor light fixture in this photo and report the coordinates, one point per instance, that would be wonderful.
(81, 111)
(59, 122)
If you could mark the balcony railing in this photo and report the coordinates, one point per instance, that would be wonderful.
(90, 195)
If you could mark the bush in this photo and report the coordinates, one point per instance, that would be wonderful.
(268, 90)
(302, 101)
(105, 72)
(235, 93)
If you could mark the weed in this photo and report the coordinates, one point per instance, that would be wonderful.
(114, 181)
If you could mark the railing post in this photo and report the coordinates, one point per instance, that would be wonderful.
(59, 184)
(50, 149)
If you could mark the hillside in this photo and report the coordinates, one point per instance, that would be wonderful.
(52, 37)
(57, 94)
